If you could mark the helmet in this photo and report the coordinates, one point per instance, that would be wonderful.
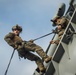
(17, 27)
(54, 20)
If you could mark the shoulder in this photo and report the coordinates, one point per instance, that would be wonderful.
(9, 35)
(64, 17)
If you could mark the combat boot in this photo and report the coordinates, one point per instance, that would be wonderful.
(42, 69)
(41, 73)
(47, 59)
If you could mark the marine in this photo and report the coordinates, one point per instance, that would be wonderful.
(61, 23)
(60, 31)
(25, 48)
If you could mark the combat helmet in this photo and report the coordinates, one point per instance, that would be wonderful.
(54, 20)
(17, 27)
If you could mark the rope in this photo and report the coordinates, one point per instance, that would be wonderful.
(42, 36)
(9, 62)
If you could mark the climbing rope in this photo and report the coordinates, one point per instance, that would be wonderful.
(42, 36)
(9, 62)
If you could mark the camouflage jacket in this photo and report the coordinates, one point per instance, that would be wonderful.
(12, 39)
(62, 21)
(60, 33)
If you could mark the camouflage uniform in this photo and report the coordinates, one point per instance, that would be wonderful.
(60, 33)
(63, 22)
(24, 49)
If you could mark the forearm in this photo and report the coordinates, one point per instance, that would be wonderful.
(56, 42)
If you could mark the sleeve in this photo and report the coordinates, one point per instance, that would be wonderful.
(57, 41)
(64, 22)
(8, 38)
(61, 32)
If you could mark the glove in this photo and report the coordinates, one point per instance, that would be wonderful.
(18, 43)
(31, 41)
(52, 42)
(15, 46)
(55, 31)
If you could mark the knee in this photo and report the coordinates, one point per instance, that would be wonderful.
(39, 49)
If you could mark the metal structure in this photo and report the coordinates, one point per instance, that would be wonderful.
(64, 54)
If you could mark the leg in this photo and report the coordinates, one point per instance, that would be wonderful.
(33, 47)
(35, 58)
(43, 55)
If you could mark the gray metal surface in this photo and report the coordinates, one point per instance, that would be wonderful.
(64, 55)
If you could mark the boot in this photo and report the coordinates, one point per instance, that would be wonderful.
(41, 73)
(41, 67)
(47, 59)
(41, 70)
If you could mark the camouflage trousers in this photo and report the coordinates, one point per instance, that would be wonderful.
(26, 51)
(60, 34)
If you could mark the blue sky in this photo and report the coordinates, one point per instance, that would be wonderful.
(34, 16)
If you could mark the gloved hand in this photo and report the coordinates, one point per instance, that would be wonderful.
(18, 43)
(15, 46)
(55, 31)
(52, 42)
(31, 41)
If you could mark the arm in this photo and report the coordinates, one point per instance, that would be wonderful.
(54, 42)
(9, 39)
(63, 22)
